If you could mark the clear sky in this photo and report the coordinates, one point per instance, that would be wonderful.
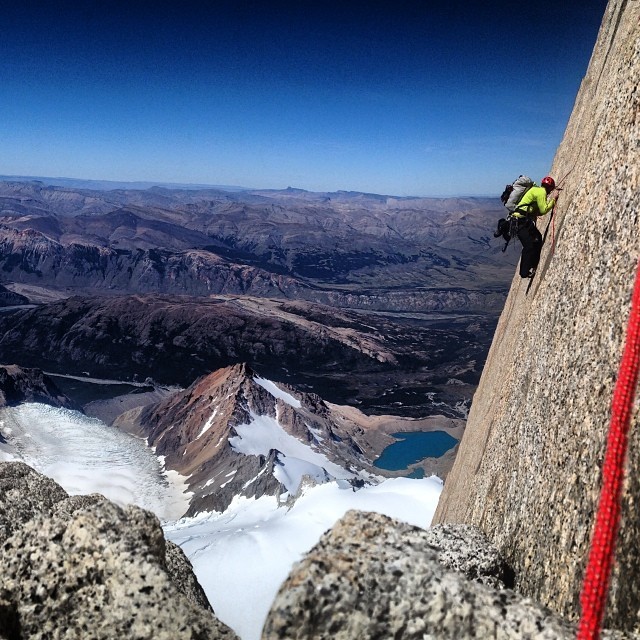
(402, 97)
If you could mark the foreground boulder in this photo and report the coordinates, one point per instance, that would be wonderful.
(85, 568)
(24, 494)
(374, 577)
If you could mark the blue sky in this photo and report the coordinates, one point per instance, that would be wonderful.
(403, 97)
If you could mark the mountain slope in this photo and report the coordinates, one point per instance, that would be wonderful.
(528, 470)
(9, 298)
(18, 385)
(388, 365)
(232, 433)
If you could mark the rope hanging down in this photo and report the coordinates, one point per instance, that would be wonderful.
(601, 555)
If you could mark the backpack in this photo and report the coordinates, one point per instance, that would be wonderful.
(514, 192)
(511, 196)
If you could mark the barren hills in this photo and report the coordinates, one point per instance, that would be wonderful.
(343, 249)
(386, 303)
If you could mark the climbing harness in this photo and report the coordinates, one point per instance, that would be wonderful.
(507, 228)
(601, 555)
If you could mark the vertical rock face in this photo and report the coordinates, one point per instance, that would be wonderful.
(529, 467)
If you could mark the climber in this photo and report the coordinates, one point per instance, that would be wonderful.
(535, 202)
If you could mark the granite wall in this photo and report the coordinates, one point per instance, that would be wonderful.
(529, 467)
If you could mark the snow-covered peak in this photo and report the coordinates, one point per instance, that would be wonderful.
(263, 434)
(277, 392)
(269, 435)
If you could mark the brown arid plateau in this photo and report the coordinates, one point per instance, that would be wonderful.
(288, 243)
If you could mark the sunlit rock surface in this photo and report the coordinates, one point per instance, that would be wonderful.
(374, 577)
(529, 467)
(90, 568)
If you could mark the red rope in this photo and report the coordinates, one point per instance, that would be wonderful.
(601, 555)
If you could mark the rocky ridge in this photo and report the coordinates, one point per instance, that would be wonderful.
(529, 467)
(19, 385)
(381, 364)
(343, 249)
(81, 566)
(32, 257)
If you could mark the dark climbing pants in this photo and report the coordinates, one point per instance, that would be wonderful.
(531, 240)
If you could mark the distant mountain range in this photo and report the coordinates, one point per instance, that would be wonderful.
(385, 302)
(107, 185)
(329, 248)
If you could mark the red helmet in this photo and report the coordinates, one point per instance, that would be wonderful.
(548, 183)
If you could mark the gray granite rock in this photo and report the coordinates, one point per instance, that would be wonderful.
(466, 549)
(72, 504)
(24, 493)
(374, 577)
(98, 575)
(181, 573)
(528, 471)
(82, 567)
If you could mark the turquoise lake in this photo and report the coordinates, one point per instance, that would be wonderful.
(413, 447)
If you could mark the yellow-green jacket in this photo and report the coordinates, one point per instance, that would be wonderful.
(534, 203)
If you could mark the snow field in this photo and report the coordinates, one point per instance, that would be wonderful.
(84, 456)
(242, 556)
